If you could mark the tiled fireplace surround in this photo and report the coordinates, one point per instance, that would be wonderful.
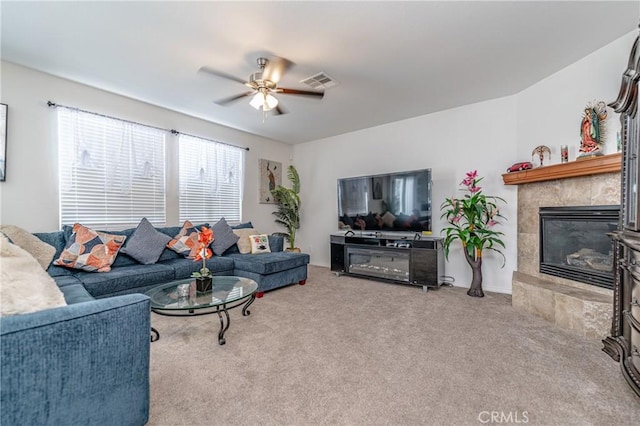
(583, 309)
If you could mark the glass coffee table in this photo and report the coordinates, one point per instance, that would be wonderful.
(180, 298)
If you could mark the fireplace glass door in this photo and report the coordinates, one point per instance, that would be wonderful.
(574, 243)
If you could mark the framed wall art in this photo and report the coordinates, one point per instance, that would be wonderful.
(3, 141)
(376, 184)
(270, 177)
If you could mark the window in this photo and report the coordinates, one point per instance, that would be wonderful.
(112, 172)
(353, 196)
(404, 193)
(211, 176)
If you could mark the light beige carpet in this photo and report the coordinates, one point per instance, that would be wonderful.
(349, 351)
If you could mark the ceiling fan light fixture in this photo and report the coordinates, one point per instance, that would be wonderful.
(257, 101)
(264, 100)
(264, 84)
(270, 102)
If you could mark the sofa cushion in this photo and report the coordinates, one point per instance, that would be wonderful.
(57, 240)
(244, 225)
(170, 230)
(276, 243)
(269, 263)
(277, 280)
(42, 251)
(125, 278)
(259, 244)
(76, 293)
(232, 250)
(146, 243)
(223, 237)
(65, 280)
(183, 268)
(26, 287)
(90, 250)
(59, 271)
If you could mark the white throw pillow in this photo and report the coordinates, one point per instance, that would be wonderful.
(244, 244)
(26, 287)
(259, 244)
(42, 251)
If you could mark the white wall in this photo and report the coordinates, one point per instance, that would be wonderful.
(29, 196)
(550, 111)
(487, 136)
(479, 136)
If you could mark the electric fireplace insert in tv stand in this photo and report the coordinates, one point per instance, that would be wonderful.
(398, 257)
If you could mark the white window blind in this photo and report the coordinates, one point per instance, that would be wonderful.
(112, 172)
(211, 178)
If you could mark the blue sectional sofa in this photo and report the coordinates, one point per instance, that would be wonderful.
(269, 270)
(88, 362)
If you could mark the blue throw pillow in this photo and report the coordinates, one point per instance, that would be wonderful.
(223, 237)
(146, 244)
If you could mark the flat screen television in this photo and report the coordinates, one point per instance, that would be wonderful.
(388, 202)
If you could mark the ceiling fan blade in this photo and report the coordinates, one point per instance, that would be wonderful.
(217, 73)
(230, 99)
(299, 92)
(275, 69)
(279, 110)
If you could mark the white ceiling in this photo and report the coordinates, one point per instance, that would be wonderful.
(392, 60)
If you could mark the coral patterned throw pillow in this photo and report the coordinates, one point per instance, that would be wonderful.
(90, 250)
(186, 242)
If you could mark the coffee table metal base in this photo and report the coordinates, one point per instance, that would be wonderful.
(225, 320)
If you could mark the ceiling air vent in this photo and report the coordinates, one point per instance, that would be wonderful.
(319, 81)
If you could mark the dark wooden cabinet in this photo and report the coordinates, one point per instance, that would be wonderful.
(623, 345)
(398, 258)
(427, 263)
(337, 253)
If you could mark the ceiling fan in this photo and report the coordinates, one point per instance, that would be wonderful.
(263, 84)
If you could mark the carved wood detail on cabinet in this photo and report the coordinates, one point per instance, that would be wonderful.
(623, 345)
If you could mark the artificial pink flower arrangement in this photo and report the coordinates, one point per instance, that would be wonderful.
(472, 219)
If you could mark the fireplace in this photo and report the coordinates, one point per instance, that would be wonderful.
(574, 243)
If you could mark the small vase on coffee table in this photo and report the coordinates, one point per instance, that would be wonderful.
(203, 284)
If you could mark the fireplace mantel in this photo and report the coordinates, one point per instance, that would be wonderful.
(588, 166)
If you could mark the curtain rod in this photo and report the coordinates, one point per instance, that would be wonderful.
(172, 131)
(175, 132)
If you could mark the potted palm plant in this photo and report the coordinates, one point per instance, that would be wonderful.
(288, 212)
(471, 220)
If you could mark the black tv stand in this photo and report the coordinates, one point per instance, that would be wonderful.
(399, 257)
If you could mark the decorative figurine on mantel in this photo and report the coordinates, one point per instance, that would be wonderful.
(592, 130)
(541, 150)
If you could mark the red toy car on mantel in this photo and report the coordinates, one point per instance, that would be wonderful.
(525, 165)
